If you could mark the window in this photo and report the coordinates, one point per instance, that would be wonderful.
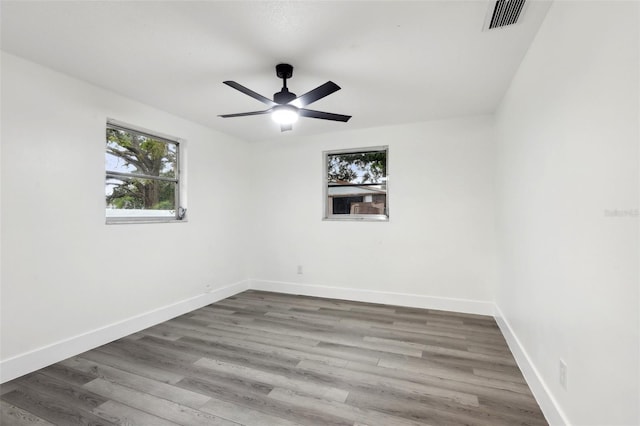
(142, 176)
(356, 184)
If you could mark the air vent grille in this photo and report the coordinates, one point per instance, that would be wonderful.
(505, 12)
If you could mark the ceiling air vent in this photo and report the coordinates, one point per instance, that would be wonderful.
(503, 13)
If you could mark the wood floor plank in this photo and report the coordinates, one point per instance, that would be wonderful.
(296, 344)
(289, 350)
(140, 351)
(301, 301)
(48, 407)
(264, 344)
(468, 331)
(132, 365)
(386, 330)
(10, 415)
(8, 387)
(461, 354)
(276, 336)
(514, 376)
(376, 381)
(234, 318)
(199, 348)
(427, 410)
(277, 380)
(218, 308)
(517, 413)
(420, 329)
(303, 318)
(235, 327)
(161, 407)
(69, 375)
(353, 414)
(261, 403)
(167, 335)
(258, 304)
(262, 358)
(124, 415)
(455, 376)
(72, 395)
(244, 415)
(512, 393)
(139, 383)
(226, 380)
(326, 336)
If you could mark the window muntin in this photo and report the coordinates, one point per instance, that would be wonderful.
(356, 184)
(142, 176)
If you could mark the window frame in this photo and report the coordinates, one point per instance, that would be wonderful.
(325, 180)
(180, 210)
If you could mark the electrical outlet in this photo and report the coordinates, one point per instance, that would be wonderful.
(563, 374)
(299, 269)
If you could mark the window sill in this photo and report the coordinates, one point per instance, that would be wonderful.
(353, 218)
(132, 221)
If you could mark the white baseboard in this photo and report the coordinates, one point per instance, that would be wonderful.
(549, 406)
(371, 296)
(27, 362)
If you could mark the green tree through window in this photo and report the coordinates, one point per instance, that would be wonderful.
(357, 167)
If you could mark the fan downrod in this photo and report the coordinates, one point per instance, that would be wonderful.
(284, 71)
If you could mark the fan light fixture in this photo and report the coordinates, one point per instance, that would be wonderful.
(285, 114)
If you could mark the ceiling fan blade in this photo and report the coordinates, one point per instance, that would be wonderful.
(285, 127)
(323, 115)
(250, 92)
(318, 93)
(243, 114)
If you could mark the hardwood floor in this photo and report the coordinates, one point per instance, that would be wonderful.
(263, 358)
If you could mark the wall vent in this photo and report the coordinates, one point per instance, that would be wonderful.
(503, 13)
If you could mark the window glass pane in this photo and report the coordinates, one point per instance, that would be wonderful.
(361, 200)
(118, 164)
(132, 197)
(357, 167)
(129, 152)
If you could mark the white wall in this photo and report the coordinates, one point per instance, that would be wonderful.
(568, 132)
(64, 272)
(439, 242)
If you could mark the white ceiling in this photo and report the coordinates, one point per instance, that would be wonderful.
(397, 62)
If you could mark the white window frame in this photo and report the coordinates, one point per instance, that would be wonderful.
(353, 217)
(180, 211)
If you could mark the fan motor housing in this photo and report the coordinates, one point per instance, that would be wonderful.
(284, 96)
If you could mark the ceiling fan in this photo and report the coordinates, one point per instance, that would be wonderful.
(286, 107)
